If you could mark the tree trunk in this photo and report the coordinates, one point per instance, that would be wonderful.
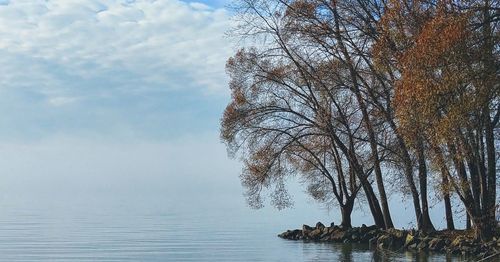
(449, 213)
(346, 211)
(475, 182)
(358, 170)
(422, 177)
(373, 204)
(445, 187)
(490, 79)
(376, 161)
(408, 172)
(468, 199)
(447, 204)
(371, 135)
(489, 207)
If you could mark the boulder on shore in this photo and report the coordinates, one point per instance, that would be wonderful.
(458, 241)
(436, 244)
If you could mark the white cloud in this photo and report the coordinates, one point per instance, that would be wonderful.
(56, 47)
(199, 6)
(62, 100)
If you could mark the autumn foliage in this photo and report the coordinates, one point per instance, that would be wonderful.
(351, 94)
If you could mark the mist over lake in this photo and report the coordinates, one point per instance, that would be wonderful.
(82, 200)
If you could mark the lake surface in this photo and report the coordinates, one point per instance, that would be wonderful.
(160, 229)
(74, 200)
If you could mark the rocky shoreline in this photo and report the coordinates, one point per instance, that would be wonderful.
(456, 242)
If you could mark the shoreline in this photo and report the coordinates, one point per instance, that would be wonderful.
(455, 242)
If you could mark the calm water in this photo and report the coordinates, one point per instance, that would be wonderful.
(129, 229)
(88, 201)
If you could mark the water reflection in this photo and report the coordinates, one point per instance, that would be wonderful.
(357, 252)
(389, 256)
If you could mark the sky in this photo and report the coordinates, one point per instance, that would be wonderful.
(112, 96)
(112, 69)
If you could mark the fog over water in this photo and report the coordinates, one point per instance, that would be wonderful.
(192, 172)
(89, 200)
(81, 200)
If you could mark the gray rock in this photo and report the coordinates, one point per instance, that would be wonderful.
(306, 229)
(373, 232)
(436, 244)
(355, 237)
(314, 235)
(372, 243)
(325, 235)
(422, 245)
(338, 236)
(385, 241)
(291, 234)
(396, 233)
(285, 234)
(296, 233)
(320, 225)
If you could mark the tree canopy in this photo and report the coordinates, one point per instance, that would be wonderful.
(351, 94)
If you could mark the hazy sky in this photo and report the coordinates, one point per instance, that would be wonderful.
(113, 96)
(114, 69)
